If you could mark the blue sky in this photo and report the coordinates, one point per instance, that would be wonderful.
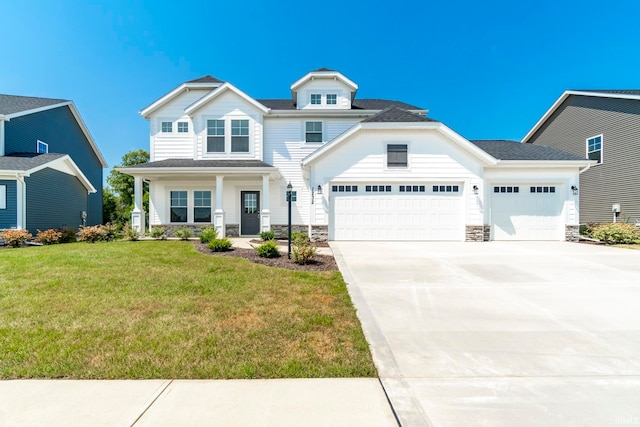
(486, 69)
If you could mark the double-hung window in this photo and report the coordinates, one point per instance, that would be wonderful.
(313, 132)
(215, 136)
(594, 148)
(202, 206)
(239, 136)
(332, 99)
(397, 155)
(167, 127)
(178, 206)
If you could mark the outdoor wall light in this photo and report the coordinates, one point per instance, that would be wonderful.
(319, 191)
(475, 189)
(574, 189)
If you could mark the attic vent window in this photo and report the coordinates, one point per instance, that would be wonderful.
(397, 155)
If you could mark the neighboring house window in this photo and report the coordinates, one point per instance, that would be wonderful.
(183, 127)
(332, 99)
(42, 147)
(202, 206)
(3, 197)
(316, 99)
(215, 136)
(397, 155)
(178, 206)
(313, 132)
(239, 136)
(594, 148)
(167, 127)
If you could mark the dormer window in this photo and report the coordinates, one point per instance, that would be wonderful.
(332, 99)
(316, 99)
(183, 127)
(167, 127)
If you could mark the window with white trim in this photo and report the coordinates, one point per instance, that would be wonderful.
(397, 155)
(313, 132)
(179, 206)
(183, 127)
(594, 148)
(202, 206)
(167, 127)
(332, 99)
(42, 147)
(316, 99)
(239, 136)
(3, 197)
(215, 136)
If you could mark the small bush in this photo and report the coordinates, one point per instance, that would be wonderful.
(587, 229)
(302, 251)
(92, 234)
(68, 234)
(15, 238)
(131, 233)
(208, 234)
(297, 235)
(220, 245)
(268, 249)
(159, 233)
(616, 233)
(267, 235)
(183, 233)
(48, 237)
(112, 232)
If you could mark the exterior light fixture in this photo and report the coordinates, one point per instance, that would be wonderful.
(475, 189)
(574, 189)
(319, 191)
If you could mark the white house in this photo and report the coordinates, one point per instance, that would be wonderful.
(361, 169)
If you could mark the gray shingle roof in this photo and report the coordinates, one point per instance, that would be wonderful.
(611, 91)
(10, 104)
(190, 163)
(323, 69)
(358, 104)
(206, 79)
(26, 161)
(514, 150)
(397, 115)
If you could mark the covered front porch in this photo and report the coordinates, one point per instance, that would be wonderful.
(234, 196)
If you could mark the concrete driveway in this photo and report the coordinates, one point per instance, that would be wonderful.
(501, 334)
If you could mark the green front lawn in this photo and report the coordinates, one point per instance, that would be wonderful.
(159, 309)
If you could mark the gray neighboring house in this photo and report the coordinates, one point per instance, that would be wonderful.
(50, 166)
(604, 126)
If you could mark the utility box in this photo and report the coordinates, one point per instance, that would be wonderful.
(615, 208)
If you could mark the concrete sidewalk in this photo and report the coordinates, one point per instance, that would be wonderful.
(245, 242)
(280, 402)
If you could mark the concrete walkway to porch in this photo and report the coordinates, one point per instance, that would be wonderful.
(245, 242)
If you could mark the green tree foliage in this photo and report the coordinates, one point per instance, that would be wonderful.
(118, 197)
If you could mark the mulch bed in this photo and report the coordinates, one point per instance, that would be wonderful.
(284, 242)
(319, 263)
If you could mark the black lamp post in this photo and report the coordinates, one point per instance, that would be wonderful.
(289, 188)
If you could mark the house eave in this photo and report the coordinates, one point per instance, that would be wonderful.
(217, 92)
(505, 164)
(148, 110)
(168, 171)
(330, 113)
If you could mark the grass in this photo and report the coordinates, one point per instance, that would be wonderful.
(635, 246)
(162, 310)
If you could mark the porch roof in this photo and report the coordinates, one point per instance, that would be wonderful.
(210, 166)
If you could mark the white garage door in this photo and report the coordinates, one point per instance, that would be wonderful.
(396, 212)
(526, 212)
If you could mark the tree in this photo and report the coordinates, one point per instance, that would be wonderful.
(119, 196)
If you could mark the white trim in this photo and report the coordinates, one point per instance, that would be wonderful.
(3, 197)
(21, 203)
(71, 164)
(2, 120)
(148, 110)
(304, 132)
(46, 147)
(333, 112)
(324, 75)
(544, 163)
(217, 92)
(586, 148)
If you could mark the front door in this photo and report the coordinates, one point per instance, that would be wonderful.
(250, 216)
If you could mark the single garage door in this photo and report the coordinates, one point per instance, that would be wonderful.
(526, 212)
(396, 212)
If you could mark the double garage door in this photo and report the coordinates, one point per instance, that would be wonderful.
(527, 212)
(406, 211)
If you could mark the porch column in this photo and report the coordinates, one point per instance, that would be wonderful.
(218, 215)
(137, 215)
(265, 214)
(21, 205)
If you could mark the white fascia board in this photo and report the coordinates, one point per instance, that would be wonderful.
(198, 170)
(330, 145)
(324, 75)
(8, 117)
(87, 134)
(544, 163)
(331, 113)
(71, 165)
(219, 91)
(148, 110)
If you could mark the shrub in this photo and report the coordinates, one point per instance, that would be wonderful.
(131, 233)
(15, 238)
(268, 249)
(297, 235)
(68, 235)
(111, 232)
(92, 234)
(220, 245)
(208, 234)
(183, 233)
(587, 229)
(616, 233)
(267, 235)
(302, 251)
(48, 237)
(159, 233)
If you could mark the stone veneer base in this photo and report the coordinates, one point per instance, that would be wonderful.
(572, 233)
(477, 233)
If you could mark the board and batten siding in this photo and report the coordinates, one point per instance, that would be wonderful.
(59, 128)
(54, 200)
(616, 179)
(8, 217)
